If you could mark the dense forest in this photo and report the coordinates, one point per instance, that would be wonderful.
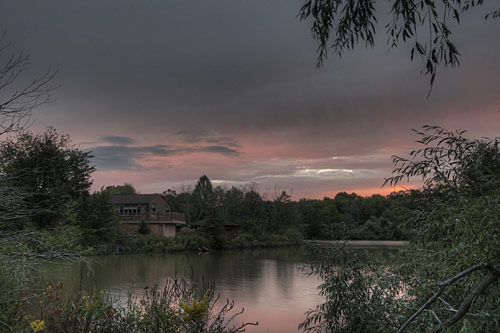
(347, 216)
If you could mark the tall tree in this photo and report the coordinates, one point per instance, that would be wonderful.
(203, 196)
(48, 169)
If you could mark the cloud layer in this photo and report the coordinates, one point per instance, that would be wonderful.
(125, 155)
(165, 91)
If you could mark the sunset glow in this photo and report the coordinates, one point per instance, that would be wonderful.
(235, 94)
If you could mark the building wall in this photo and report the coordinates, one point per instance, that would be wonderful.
(156, 210)
(162, 229)
(157, 229)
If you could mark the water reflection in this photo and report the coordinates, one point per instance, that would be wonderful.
(269, 283)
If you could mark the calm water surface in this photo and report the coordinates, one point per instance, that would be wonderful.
(269, 283)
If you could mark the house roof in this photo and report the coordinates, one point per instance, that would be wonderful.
(130, 199)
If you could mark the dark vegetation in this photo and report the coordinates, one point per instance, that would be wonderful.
(446, 280)
(347, 216)
(179, 306)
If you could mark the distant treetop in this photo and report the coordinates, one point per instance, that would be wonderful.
(126, 188)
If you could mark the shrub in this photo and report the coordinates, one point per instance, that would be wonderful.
(143, 228)
(192, 241)
(179, 307)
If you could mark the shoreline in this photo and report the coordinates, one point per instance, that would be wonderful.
(369, 243)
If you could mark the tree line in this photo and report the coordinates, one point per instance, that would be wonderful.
(346, 216)
(46, 182)
(446, 280)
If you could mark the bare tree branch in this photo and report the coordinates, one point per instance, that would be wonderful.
(483, 285)
(18, 99)
(466, 304)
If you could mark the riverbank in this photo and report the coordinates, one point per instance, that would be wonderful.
(190, 242)
(361, 243)
(194, 242)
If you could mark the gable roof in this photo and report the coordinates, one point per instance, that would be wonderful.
(130, 199)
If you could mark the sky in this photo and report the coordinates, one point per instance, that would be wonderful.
(163, 92)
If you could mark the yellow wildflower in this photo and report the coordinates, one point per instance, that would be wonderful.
(195, 311)
(37, 325)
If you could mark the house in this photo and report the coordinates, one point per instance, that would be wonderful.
(131, 209)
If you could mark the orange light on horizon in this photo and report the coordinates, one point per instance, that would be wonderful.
(369, 191)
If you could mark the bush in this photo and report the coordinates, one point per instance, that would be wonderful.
(12, 281)
(243, 241)
(294, 236)
(179, 307)
(143, 228)
(192, 241)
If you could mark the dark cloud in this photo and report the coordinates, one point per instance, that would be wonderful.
(119, 140)
(219, 150)
(210, 76)
(127, 157)
(193, 135)
(205, 136)
(223, 140)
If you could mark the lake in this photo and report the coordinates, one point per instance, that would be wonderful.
(269, 283)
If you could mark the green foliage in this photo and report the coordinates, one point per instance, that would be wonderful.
(244, 240)
(455, 223)
(342, 24)
(192, 241)
(347, 216)
(361, 294)
(178, 307)
(12, 282)
(21, 253)
(143, 228)
(254, 226)
(213, 229)
(283, 214)
(195, 311)
(183, 241)
(203, 197)
(47, 170)
(126, 188)
(97, 219)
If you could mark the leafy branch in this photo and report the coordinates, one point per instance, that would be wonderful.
(341, 24)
